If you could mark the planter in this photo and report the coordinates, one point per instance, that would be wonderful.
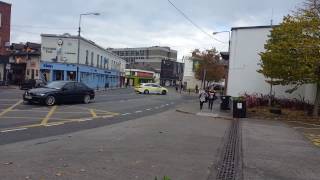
(275, 110)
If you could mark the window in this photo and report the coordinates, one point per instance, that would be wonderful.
(37, 72)
(87, 57)
(91, 59)
(0, 20)
(69, 86)
(28, 72)
(101, 62)
(98, 60)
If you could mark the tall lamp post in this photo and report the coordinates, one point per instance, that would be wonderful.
(229, 43)
(79, 37)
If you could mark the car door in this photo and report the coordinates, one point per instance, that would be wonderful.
(155, 89)
(80, 91)
(67, 94)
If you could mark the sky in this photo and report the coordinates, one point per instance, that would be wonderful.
(142, 23)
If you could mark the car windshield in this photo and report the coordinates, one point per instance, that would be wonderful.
(55, 85)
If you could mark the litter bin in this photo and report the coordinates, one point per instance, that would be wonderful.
(225, 103)
(239, 108)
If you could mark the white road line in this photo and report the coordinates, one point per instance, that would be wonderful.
(82, 120)
(138, 112)
(167, 104)
(172, 102)
(124, 114)
(157, 107)
(53, 124)
(10, 130)
(149, 109)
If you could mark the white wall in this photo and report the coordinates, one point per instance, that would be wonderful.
(69, 50)
(246, 44)
(189, 75)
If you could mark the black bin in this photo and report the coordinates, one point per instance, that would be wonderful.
(239, 109)
(225, 103)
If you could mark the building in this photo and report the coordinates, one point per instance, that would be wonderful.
(147, 58)
(136, 76)
(246, 44)
(171, 73)
(5, 24)
(98, 67)
(189, 79)
(24, 61)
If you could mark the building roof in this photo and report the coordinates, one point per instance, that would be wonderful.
(253, 27)
(139, 48)
(66, 35)
(1, 2)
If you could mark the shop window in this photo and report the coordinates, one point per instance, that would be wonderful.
(87, 57)
(92, 55)
(28, 72)
(37, 72)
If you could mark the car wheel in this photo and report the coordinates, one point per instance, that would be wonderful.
(86, 99)
(146, 91)
(50, 101)
(164, 92)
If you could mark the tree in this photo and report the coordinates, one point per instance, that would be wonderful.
(292, 55)
(209, 68)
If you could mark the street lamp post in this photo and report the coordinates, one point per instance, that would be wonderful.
(79, 37)
(229, 44)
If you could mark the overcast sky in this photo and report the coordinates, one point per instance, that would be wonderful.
(137, 23)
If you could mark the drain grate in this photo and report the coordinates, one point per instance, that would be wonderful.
(229, 164)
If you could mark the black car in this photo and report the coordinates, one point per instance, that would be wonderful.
(60, 92)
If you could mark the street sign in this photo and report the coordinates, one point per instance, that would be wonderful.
(8, 66)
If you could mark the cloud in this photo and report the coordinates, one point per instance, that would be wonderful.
(128, 23)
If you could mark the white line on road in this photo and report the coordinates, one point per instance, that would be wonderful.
(138, 112)
(149, 109)
(167, 104)
(82, 120)
(124, 114)
(10, 130)
(157, 107)
(53, 124)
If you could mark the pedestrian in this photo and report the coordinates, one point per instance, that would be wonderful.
(197, 88)
(211, 98)
(202, 98)
(177, 87)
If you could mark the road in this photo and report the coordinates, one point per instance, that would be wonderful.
(19, 121)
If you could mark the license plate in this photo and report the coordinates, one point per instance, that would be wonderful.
(28, 97)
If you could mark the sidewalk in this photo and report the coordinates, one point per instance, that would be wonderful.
(272, 151)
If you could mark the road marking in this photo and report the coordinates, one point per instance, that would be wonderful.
(10, 130)
(82, 120)
(125, 114)
(148, 109)
(138, 112)
(17, 117)
(50, 113)
(93, 113)
(28, 110)
(53, 124)
(167, 104)
(157, 107)
(10, 108)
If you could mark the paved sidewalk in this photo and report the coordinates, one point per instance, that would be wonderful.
(272, 151)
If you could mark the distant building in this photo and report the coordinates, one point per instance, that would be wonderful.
(171, 73)
(5, 24)
(135, 77)
(148, 58)
(98, 67)
(24, 60)
(246, 44)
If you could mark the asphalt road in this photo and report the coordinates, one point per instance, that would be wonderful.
(19, 121)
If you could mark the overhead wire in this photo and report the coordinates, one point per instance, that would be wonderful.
(193, 23)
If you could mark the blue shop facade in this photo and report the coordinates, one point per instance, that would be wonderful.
(95, 78)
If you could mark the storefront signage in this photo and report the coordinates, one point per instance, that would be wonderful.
(49, 49)
(144, 74)
(48, 66)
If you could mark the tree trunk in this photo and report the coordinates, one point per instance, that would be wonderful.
(316, 102)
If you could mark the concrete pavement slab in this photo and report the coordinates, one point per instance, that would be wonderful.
(181, 146)
(273, 150)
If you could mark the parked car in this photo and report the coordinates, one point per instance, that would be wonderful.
(151, 88)
(60, 92)
(32, 83)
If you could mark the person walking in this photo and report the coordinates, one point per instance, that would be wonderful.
(211, 98)
(202, 98)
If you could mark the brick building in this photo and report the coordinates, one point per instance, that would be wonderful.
(5, 18)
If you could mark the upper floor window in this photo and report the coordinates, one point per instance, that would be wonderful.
(101, 62)
(87, 57)
(0, 20)
(91, 59)
(98, 60)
